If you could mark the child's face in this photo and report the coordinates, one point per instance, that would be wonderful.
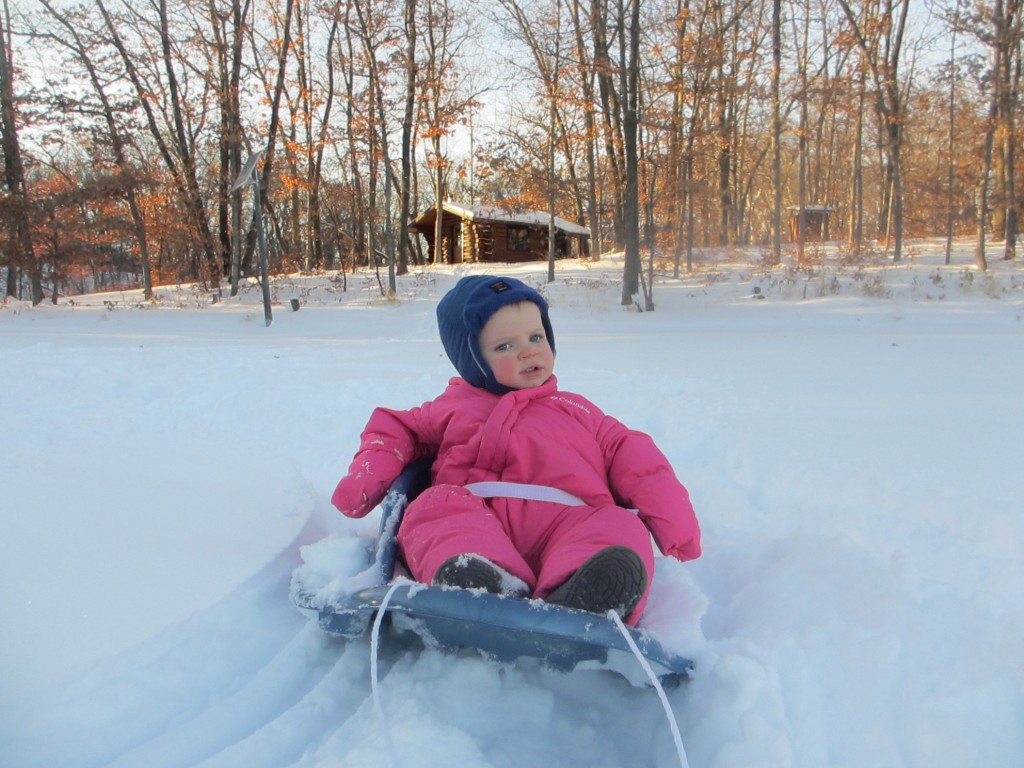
(514, 344)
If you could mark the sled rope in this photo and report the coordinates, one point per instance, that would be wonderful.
(676, 736)
(374, 653)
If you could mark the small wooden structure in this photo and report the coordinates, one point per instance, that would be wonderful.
(815, 223)
(489, 233)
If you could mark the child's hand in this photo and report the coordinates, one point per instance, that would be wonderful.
(367, 482)
(350, 498)
(688, 551)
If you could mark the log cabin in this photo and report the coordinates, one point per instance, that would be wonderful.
(483, 233)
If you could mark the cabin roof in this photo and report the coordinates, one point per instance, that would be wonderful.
(496, 213)
(813, 209)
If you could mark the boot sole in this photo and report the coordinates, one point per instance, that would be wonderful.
(468, 572)
(613, 579)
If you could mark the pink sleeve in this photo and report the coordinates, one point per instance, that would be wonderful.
(641, 477)
(391, 440)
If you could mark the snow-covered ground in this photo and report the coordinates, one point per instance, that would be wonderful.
(851, 441)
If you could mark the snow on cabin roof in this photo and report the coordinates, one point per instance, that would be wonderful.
(814, 208)
(494, 213)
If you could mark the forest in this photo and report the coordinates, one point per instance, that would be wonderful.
(663, 126)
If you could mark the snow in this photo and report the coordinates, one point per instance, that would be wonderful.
(851, 442)
(494, 213)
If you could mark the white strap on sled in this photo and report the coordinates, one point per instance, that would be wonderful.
(492, 488)
(676, 736)
(374, 654)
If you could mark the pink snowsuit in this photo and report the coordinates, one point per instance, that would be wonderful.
(538, 436)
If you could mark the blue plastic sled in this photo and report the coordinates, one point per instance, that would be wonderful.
(501, 627)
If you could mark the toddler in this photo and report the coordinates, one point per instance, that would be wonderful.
(535, 492)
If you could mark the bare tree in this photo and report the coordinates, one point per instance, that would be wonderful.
(228, 29)
(690, 85)
(586, 77)
(14, 174)
(776, 257)
(170, 128)
(629, 73)
(802, 34)
(951, 133)
(880, 34)
(356, 129)
(611, 111)
(312, 109)
(74, 41)
(856, 197)
(408, 131)
(447, 95)
(1006, 48)
(552, 141)
(375, 34)
(983, 185)
(274, 96)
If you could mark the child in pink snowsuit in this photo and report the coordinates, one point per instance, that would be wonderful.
(534, 491)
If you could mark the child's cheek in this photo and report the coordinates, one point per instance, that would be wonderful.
(505, 370)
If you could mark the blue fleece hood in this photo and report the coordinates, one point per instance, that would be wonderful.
(464, 311)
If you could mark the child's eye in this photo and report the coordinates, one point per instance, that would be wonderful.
(537, 337)
(504, 347)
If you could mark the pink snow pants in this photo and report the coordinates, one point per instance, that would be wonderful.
(540, 542)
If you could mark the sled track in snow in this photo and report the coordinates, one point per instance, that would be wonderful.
(248, 681)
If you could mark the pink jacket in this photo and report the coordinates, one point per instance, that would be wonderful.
(540, 436)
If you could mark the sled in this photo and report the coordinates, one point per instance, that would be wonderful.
(501, 627)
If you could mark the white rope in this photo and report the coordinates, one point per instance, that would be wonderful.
(374, 648)
(683, 762)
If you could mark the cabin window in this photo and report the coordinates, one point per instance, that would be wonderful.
(518, 238)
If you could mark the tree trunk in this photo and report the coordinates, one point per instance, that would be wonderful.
(275, 100)
(611, 112)
(590, 127)
(1007, 18)
(552, 140)
(951, 138)
(316, 207)
(979, 251)
(776, 257)
(411, 71)
(14, 173)
(856, 219)
(379, 134)
(358, 214)
(630, 75)
(439, 195)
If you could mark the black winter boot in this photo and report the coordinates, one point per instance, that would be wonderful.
(613, 579)
(472, 571)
